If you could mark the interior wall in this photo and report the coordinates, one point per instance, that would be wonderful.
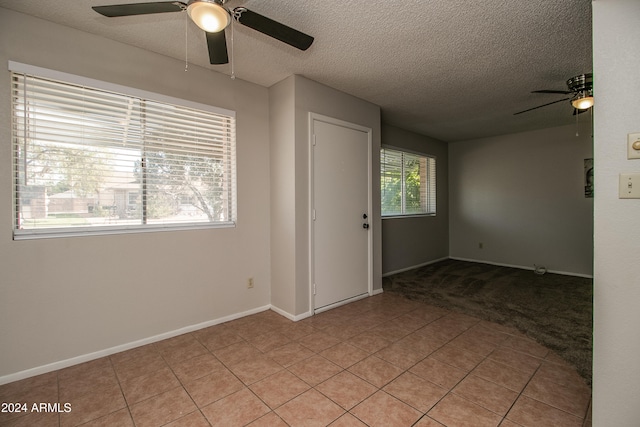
(313, 97)
(64, 298)
(290, 186)
(616, 371)
(414, 241)
(522, 197)
(283, 187)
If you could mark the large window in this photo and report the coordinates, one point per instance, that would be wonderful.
(408, 183)
(89, 160)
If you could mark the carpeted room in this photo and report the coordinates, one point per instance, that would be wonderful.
(553, 309)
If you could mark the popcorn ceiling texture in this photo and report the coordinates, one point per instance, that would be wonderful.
(449, 69)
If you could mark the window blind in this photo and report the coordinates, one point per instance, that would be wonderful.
(408, 183)
(88, 159)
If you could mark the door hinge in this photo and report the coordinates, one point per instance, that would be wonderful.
(313, 214)
(313, 140)
(314, 288)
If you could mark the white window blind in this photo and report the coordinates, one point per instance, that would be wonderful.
(408, 183)
(93, 160)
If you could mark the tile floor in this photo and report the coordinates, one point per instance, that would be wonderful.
(381, 361)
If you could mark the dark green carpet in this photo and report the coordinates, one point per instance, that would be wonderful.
(553, 309)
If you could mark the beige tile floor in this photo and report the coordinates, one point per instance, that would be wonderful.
(381, 361)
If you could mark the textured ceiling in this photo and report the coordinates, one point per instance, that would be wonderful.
(449, 69)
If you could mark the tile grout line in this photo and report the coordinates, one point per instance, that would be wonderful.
(126, 402)
(384, 318)
(58, 390)
(519, 395)
(198, 409)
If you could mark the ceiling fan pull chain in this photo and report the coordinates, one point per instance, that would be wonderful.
(233, 70)
(186, 42)
(235, 15)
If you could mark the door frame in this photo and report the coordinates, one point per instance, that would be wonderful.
(313, 117)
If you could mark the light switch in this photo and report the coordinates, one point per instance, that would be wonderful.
(633, 146)
(630, 185)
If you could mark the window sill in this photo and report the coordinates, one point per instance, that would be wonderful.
(408, 216)
(104, 231)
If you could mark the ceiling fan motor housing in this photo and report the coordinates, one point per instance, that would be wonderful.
(582, 87)
(581, 83)
(218, 2)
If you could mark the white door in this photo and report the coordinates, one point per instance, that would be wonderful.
(340, 233)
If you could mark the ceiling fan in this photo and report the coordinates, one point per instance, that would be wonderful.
(581, 89)
(213, 18)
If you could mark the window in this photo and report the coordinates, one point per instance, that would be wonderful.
(408, 183)
(89, 160)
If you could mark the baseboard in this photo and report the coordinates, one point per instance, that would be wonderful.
(39, 370)
(117, 349)
(292, 317)
(298, 317)
(413, 267)
(481, 261)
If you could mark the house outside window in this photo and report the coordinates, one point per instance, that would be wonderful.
(90, 160)
(408, 183)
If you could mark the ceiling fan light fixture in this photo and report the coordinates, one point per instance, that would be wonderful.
(208, 15)
(582, 101)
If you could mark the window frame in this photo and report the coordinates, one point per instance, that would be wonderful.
(428, 158)
(71, 231)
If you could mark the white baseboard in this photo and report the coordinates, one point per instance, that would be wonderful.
(481, 261)
(39, 370)
(292, 317)
(117, 349)
(413, 267)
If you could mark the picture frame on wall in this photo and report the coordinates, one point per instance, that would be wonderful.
(588, 178)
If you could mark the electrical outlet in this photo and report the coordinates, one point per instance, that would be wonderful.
(250, 283)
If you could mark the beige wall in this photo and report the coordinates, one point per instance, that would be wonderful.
(616, 370)
(293, 197)
(65, 298)
(283, 189)
(415, 241)
(522, 197)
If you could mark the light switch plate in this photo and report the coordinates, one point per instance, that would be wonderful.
(633, 146)
(630, 185)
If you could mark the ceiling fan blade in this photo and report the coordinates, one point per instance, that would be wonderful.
(272, 28)
(540, 106)
(217, 44)
(564, 92)
(130, 9)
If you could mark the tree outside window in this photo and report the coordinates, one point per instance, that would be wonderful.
(86, 159)
(408, 184)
